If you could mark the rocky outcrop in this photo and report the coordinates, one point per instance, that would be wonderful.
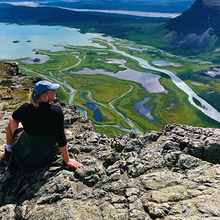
(195, 26)
(9, 68)
(15, 87)
(172, 174)
(15, 82)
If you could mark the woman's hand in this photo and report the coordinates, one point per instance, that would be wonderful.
(73, 163)
(68, 161)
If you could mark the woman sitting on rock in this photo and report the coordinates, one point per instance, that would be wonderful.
(37, 143)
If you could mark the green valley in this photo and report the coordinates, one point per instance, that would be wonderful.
(110, 101)
(112, 83)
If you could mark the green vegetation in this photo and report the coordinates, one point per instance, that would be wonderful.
(110, 131)
(198, 103)
(115, 98)
(36, 60)
(63, 96)
(15, 99)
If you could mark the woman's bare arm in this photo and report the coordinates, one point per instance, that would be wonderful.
(70, 162)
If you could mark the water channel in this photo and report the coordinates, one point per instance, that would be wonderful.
(206, 109)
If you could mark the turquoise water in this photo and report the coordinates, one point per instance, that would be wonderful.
(39, 37)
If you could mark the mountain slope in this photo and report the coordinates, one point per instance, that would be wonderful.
(86, 21)
(196, 26)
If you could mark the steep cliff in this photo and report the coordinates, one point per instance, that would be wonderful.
(196, 26)
(173, 174)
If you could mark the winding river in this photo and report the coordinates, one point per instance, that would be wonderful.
(206, 109)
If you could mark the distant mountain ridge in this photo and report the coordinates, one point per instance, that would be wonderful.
(196, 29)
(195, 26)
(169, 6)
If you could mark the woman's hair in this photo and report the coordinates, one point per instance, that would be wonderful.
(38, 100)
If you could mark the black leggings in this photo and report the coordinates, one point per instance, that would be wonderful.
(17, 131)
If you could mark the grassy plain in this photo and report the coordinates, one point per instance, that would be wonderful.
(115, 98)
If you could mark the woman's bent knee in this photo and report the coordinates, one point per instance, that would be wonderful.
(13, 125)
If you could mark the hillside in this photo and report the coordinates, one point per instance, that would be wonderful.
(196, 26)
(115, 25)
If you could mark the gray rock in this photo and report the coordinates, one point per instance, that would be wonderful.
(150, 177)
(9, 68)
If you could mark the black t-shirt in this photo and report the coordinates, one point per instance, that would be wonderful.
(46, 120)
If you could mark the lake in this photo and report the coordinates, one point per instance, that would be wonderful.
(28, 37)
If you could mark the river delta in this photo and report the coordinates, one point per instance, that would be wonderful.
(120, 85)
